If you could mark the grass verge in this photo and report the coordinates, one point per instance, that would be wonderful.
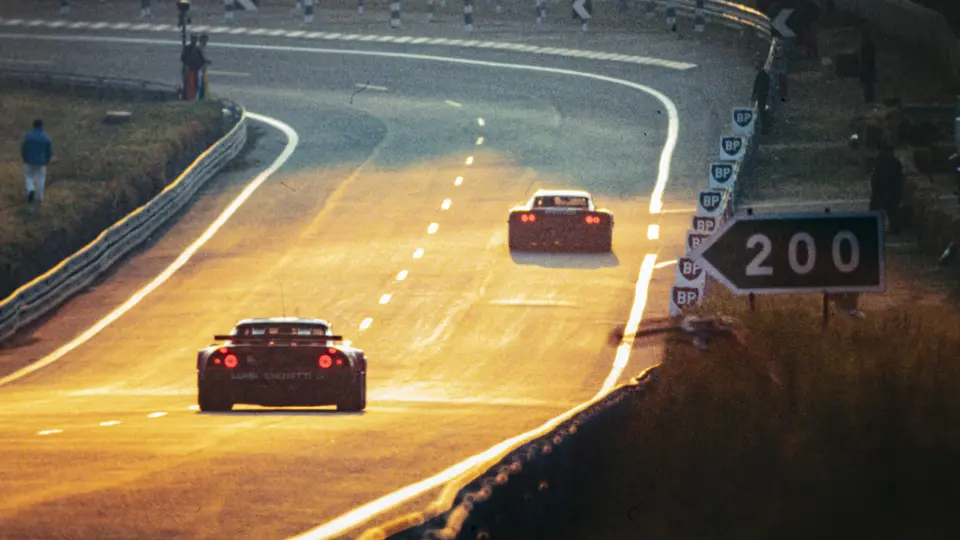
(792, 432)
(99, 173)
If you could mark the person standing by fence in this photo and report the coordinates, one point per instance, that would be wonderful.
(193, 62)
(36, 151)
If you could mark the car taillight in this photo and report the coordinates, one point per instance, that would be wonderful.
(230, 361)
(528, 218)
(325, 361)
(592, 220)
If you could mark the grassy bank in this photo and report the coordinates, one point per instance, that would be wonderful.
(99, 173)
(860, 442)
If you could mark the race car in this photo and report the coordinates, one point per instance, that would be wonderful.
(555, 218)
(281, 362)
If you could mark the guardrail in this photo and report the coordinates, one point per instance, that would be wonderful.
(525, 492)
(48, 291)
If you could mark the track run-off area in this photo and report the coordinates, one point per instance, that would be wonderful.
(374, 194)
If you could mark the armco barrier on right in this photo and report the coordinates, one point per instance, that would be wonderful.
(42, 295)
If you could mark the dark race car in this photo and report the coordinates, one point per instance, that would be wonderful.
(281, 362)
(555, 218)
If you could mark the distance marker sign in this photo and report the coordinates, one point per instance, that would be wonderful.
(794, 253)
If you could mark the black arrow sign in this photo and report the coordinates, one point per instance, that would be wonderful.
(792, 253)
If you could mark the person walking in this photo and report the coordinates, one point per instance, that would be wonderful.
(868, 65)
(36, 151)
(193, 61)
(886, 185)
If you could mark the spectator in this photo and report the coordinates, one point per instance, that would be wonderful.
(36, 151)
(886, 186)
(868, 65)
(193, 61)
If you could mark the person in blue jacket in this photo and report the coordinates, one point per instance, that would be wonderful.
(36, 151)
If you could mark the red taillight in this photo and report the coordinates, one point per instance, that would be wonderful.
(325, 361)
(339, 361)
(230, 361)
(533, 217)
(216, 361)
(223, 350)
(528, 218)
(592, 220)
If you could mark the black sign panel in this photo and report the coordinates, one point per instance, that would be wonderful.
(790, 253)
(710, 200)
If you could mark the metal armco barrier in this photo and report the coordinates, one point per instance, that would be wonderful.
(48, 291)
(512, 495)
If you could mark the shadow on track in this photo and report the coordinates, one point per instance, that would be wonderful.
(581, 261)
(283, 412)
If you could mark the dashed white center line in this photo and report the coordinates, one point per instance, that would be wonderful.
(193, 408)
(458, 181)
(50, 432)
(470, 160)
(402, 275)
(480, 141)
(445, 205)
(366, 323)
(418, 253)
(653, 231)
(480, 121)
(453, 103)
(230, 73)
(109, 423)
(433, 228)
(385, 298)
(156, 415)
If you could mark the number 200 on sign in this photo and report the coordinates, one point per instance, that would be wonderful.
(757, 268)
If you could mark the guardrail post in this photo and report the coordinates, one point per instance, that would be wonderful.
(307, 12)
(64, 8)
(651, 9)
(145, 11)
(228, 11)
(698, 19)
(395, 14)
(671, 13)
(542, 15)
(468, 15)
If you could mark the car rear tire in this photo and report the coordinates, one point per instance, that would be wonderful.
(211, 400)
(356, 400)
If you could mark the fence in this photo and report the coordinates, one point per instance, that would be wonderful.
(45, 293)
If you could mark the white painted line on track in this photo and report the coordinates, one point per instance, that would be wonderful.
(109, 423)
(372, 87)
(458, 181)
(50, 432)
(481, 122)
(160, 414)
(445, 205)
(479, 141)
(453, 103)
(385, 298)
(433, 228)
(292, 141)
(653, 231)
(364, 324)
(26, 62)
(229, 73)
(193, 408)
(664, 264)
(418, 254)
(469, 160)
(402, 275)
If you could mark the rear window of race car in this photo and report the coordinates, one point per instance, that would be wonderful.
(561, 202)
(281, 330)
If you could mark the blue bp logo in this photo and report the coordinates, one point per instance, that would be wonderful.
(743, 117)
(721, 172)
(694, 240)
(710, 200)
(689, 268)
(685, 296)
(731, 145)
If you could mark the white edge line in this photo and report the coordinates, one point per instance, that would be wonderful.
(292, 141)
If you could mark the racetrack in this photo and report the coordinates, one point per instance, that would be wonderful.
(471, 346)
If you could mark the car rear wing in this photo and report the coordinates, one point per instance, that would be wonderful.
(275, 337)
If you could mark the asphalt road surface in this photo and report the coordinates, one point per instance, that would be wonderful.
(471, 347)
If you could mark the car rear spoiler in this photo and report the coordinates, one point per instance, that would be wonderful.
(261, 338)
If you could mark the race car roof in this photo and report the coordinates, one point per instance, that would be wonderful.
(562, 193)
(280, 320)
